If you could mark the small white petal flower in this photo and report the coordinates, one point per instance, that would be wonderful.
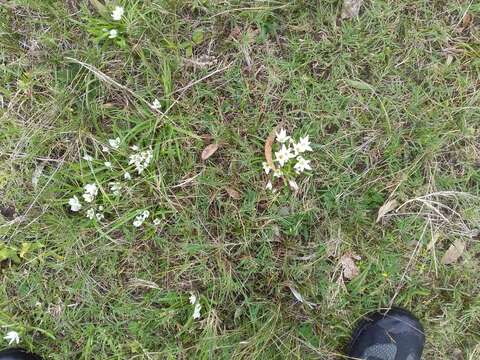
(99, 216)
(139, 219)
(303, 145)
(105, 149)
(117, 13)
(91, 189)
(90, 214)
(112, 34)
(74, 204)
(302, 165)
(266, 168)
(100, 208)
(108, 164)
(293, 184)
(141, 160)
(127, 176)
(134, 147)
(12, 337)
(157, 221)
(282, 136)
(115, 188)
(88, 198)
(114, 143)
(196, 311)
(269, 186)
(87, 157)
(192, 299)
(156, 105)
(283, 155)
(278, 173)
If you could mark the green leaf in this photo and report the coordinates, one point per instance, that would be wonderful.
(29, 247)
(9, 253)
(197, 36)
(360, 85)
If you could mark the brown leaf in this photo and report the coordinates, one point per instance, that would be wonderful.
(209, 151)
(268, 149)
(351, 8)
(234, 194)
(390, 205)
(467, 20)
(350, 270)
(454, 252)
(8, 212)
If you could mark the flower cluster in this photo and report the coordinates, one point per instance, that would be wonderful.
(196, 311)
(289, 160)
(140, 219)
(138, 160)
(117, 15)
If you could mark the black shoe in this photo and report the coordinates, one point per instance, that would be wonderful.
(18, 354)
(392, 335)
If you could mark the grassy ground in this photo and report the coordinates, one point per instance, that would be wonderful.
(390, 101)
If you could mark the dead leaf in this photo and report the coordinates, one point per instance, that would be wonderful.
(8, 212)
(467, 20)
(433, 241)
(454, 252)
(351, 8)
(37, 173)
(350, 269)
(268, 149)
(234, 194)
(209, 151)
(390, 205)
(300, 298)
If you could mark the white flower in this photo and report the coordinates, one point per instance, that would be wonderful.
(266, 168)
(90, 214)
(278, 173)
(91, 190)
(196, 311)
(139, 219)
(114, 143)
(282, 136)
(269, 186)
(156, 105)
(302, 145)
(12, 337)
(115, 188)
(112, 34)
(105, 149)
(302, 165)
(157, 221)
(99, 216)
(127, 176)
(145, 214)
(117, 13)
(193, 299)
(283, 155)
(141, 160)
(293, 184)
(87, 157)
(134, 147)
(108, 164)
(74, 204)
(88, 198)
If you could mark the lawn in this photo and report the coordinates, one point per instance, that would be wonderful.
(389, 100)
